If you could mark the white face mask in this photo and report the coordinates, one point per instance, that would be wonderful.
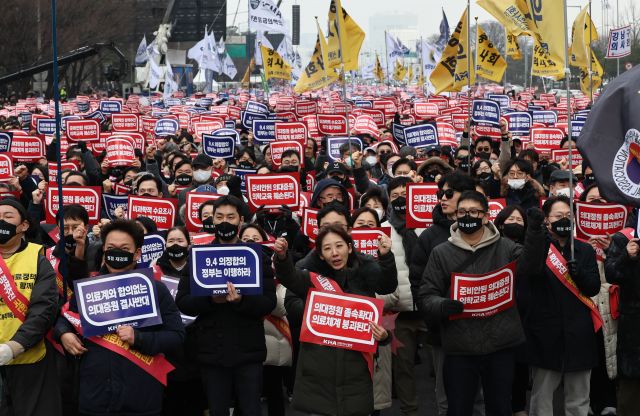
(223, 190)
(201, 176)
(349, 162)
(371, 160)
(380, 213)
(563, 192)
(516, 183)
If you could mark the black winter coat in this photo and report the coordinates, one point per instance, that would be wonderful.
(333, 381)
(228, 334)
(559, 328)
(624, 271)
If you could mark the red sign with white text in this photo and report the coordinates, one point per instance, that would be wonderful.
(90, 197)
(340, 320)
(125, 122)
(194, 200)
(426, 110)
(52, 167)
(310, 223)
(273, 190)
(495, 206)
(599, 220)
(27, 148)
(446, 134)
(305, 108)
(484, 295)
(83, 130)
(161, 211)
(293, 131)
(205, 127)
(365, 240)
(6, 166)
(277, 148)
(422, 198)
(559, 154)
(332, 124)
(120, 150)
(546, 139)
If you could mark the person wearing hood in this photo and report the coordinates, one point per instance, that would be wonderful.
(328, 190)
(518, 186)
(478, 350)
(450, 189)
(433, 169)
(409, 323)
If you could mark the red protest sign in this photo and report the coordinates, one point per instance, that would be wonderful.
(422, 198)
(426, 110)
(312, 126)
(495, 206)
(292, 131)
(83, 130)
(558, 154)
(387, 106)
(6, 166)
(489, 131)
(459, 121)
(599, 220)
(446, 134)
(205, 127)
(120, 150)
(546, 139)
(365, 240)
(161, 211)
(125, 122)
(201, 239)
(377, 116)
(277, 148)
(332, 124)
(52, 167)
(340, 320)
(440, 101)
(194, 200)
(366, 125)
(27, 148)
(305, 108)
(484, 295)
(87, 196)
(310, 223)
(273, 190)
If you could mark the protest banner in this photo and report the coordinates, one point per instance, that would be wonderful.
(218, 147)
(110, 106)
(459, 121)
(310, 223)
(377, 116)
(5, 141)
(495, 206)
(162, 211)
(485, 113)
(208, 127)
(120, 150)
(306, 108)
(214, 265)
(558, 155)
(46, 126)
(193, 202)
(484, 295)
(264, 131)
(519, 122)
(273, 190)
(340, 320)
(248, 118)
(152, 249)
(619, 44)
(546, 139)
(108, 301)
(112, 202)
(291, 131)
(426, 110)
(365, 124)
(502, 100)
(83, 130)
(599, 220)
(365, 240)
(87, 196)
(27, 148)
(332, 124)
(422, 198)
(397, 130)
(334, 144)
(125, 122)
(549, 118)
(172, 284)
(6, 167)
(446, 134)
(277, 148)
(256, 107)
(422, 135)
(166, 127)
(387, 106)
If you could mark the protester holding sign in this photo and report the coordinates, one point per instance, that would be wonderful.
(129, 360)
(321, 369)
(518, 185)
(478, 349)
(28, 310)
(227, 337)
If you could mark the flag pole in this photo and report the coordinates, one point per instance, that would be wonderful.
(469, 80)
(567, 75)
(56, 100)
(590, 58)
(386, 56)
(344, 75)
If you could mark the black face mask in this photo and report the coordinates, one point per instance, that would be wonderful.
(69, 242)
(463, 164)
(288, 169)
(147, 194)
(513, 231)
(562, 227)
(7, 231)
(245, 165)
(225, 231)
(431, 176)
(116, 172)
(483, 155)
(183, 179)
(177, 252)
(208, 226)
(399, 206)
(469, 225)
(128, 182)
(118, 259)
(484, 176)
(589, 179)
(384, 158)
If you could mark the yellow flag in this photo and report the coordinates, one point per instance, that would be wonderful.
(410, 74)
(451, 72)
(273, 64)
(399, 72)
(342, 26)
(490, 65)
(513, 48)
(421, 76)
(582, 34)
(247, 75)
(542, 20)
(315, 74)
(379, 73)
(596, 76)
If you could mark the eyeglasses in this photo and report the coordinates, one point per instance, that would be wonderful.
(516, 175)
(483, 149)
(331, 197)
(384, 152)
(446, 193)
(560, 216)
(473, 212)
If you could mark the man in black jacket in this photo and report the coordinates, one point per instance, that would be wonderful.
(227, 337)
(451, 187)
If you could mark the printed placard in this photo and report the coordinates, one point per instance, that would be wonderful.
(365, 240)
(228, 133)
(495, 206)
(422, 135)
(162, 211)
(256, 107)
(365, 124)
(152, 249)
(459, 121)
(214, 265)
(112, 202)
(264, 131)
(273, 190)
(5, 141)
(277, 148)
(340, 320)
(125, 122)
(484, 295)
(599, 220)
(249, 117)
(6, 166)
(576, 128)
(546, 139)
(83, 130)
(193, 201)
(334, 144)
(172, 284)
(559, 154)
(446, 134)
(422, 199)
(332, 124)
(110, 106)
(208, 127)
(87, 196)
(27, 148)
(485, 113)
(218, 147)
(397, 130)
(426, 110)
(120, 150)
(310, 223)
(547, 117)
(519, 122)
(108, 301)
(52, 167)
(502, 100)
(305, 108)
(166, 127)
(46, 126)
(291, 131)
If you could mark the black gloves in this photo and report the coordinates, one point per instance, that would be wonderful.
(451, 307)
(572, 267)
(535, 217)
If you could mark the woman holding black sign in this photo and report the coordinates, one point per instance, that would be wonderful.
(332, 380)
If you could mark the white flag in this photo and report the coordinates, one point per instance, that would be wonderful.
(261, 39)
(395, 49)
(154, 73)
(264, 16)
(428, 54)
(367, 72)
(141, 54)
(152, 49)
(197, 51)
(229, 68)
(170, 85)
